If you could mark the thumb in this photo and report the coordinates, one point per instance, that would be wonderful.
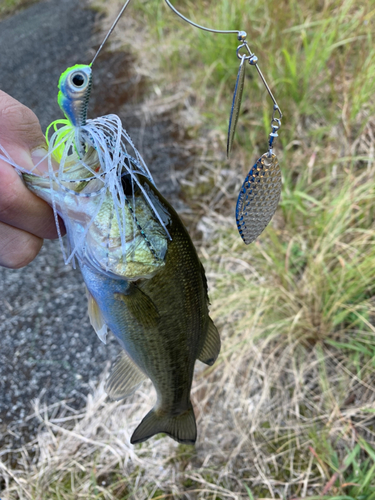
(21, 135)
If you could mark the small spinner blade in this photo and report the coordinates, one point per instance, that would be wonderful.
(258, 197)
(236, 105)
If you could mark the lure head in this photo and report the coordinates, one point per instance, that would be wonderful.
(74, 92)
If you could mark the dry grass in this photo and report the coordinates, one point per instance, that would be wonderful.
(288, 409)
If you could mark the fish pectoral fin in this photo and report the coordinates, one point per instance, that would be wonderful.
(182, 428)
(140, 306)
(96, 318)
(212, 344)
(125, 378)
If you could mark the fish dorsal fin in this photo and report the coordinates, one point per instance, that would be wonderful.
(211, 347)
(96, 318)
(140, 306)
(124, 379)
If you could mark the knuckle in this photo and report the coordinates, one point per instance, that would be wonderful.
(25, 257)
(13, 112)
(17, 118)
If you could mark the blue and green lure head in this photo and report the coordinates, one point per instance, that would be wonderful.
(73, 98)
(74, 93)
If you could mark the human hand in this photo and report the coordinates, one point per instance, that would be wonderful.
(25, 219)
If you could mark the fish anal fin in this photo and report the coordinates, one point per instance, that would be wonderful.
(211, 347)
(124, 379)
(182, 428)
(96, 318)
(140, 306)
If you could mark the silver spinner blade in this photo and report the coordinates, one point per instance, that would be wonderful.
(258, 197)
(236, 104)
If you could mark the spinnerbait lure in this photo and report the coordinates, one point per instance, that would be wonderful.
(143, 276)
(75, 136)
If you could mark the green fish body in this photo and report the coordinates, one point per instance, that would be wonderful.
(162, 323)
(155, 303)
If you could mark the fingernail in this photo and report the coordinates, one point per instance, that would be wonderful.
(40, 160)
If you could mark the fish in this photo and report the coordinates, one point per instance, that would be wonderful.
(156, 308)
(145, 282)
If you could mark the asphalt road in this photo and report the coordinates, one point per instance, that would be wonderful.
(47, 346)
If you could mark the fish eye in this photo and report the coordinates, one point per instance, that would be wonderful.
(78, 79)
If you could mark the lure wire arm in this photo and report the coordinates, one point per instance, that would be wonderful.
(110, 31)
(252, 58)
(241, 34)
(253, 61)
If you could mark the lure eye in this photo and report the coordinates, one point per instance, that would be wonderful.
(79, 79)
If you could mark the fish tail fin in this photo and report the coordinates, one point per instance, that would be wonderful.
(182, 428)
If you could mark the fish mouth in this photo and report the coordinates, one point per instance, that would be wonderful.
(33, 181)
(115, 220)
(39, 185)
(94, 226)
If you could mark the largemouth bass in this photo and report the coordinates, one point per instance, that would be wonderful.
(157, 307)
(143, 275)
